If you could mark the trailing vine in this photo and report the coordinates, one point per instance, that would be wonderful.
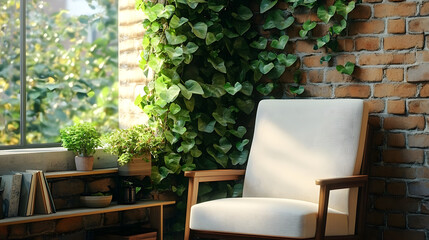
(210, 62)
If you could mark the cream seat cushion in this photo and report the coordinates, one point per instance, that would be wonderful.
(265, 216)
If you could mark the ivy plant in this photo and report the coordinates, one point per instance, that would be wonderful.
(210, 63)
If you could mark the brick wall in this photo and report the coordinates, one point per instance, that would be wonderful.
(131, 78)
(387, 41)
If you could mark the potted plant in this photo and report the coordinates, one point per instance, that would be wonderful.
(134, 147)
(82, 139)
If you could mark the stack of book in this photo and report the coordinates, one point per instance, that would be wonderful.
(26, 193)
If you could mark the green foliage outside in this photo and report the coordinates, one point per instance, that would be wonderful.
(69, 77)
(133, 142)
(81, 138)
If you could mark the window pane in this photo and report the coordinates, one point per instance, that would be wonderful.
(9, 72)
(71, 66)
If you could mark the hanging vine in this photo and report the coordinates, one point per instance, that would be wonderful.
(210, 62)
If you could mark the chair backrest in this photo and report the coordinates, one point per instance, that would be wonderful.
(298, 141)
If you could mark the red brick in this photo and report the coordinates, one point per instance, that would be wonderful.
(395, 90)
(92, 221)
(401, 42)
(424, 92)
(378, 139)
(419, 25)
(418, 221)
(396, 25)
(18, 231)
(403, 156)
(133, 216)
(396, 140)
(375, 105)
(3, 232)
(307, 47)
(394, 172)
(418, 106)
(395, 10)
(68, 187)
(318, 91)
(396, 106)
(419, 188)
(376, 186)
(424, 10)
(367, 43)
(425, 207)
(393, 234)
(101, 185)
(396, 220)
(375, 218)
(344, 58)
(69, 225)
(354, 91)
(320, 30)
(397, 188)
(367, 27)
(395, 74)
(410, 122)
(313, 61)
(418, 73)
(418, 140)
(387, 58)
(374, 121)
(303, 17)
(423, 56)
(368, 74)
(345, 45)
(111, 218)
(360, 12)
(372, 1)
(42, 227)
(396, 204)
(315, 76)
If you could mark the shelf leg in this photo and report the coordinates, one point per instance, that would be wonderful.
(156, 220)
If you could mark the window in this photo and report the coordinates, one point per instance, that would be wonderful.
(58, 64)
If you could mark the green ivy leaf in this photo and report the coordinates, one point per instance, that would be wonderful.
(247, 88)
(176, 22)
(277, 71)
(205, 124)
(194, 87)
(154, 11)
(172, 39)
(266, 5)
(337, 29)
(174, 108)
(190, 48)
(240, 145)
(347, 69)
(172, 161)
(232, 89)
(265, 89)
(239, 157)
(306, 27)
(267, 56)
(218, 64)
(322, 41)
(275, 19)
(190, 104)
(216, 8)
(186, 146)
(244, 13)
(260, 44)
(343, 9)
(265, 68)
(287, 60)
(171, 138)
(224, 145)
(211, 38)
(188, 167)
(219, 157)
(184, 91)
(171, 94)
(296, 90)
(200, 30)
(239, 132)
(326, 58)
(325, 15)
(281, 43)
(245, 105)
(179, 127)
(241, 27)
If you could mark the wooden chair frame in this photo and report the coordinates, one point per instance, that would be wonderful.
(326, 185)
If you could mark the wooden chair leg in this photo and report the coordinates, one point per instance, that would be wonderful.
(192, 200)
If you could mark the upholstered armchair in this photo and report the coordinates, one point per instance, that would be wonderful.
(302, 178)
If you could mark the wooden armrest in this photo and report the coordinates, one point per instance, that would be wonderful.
(343, 182)
(216, 175)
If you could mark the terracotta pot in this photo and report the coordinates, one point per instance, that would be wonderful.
(84, 163)
(137, 166)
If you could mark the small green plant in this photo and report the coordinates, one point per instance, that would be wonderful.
(81, 138)
(133, 142)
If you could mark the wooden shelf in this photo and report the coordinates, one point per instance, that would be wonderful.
(62, 174)
(83, 212)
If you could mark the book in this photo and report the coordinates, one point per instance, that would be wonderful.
(48, 192)
(42, 202)
(28, 188)
(11, 194)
